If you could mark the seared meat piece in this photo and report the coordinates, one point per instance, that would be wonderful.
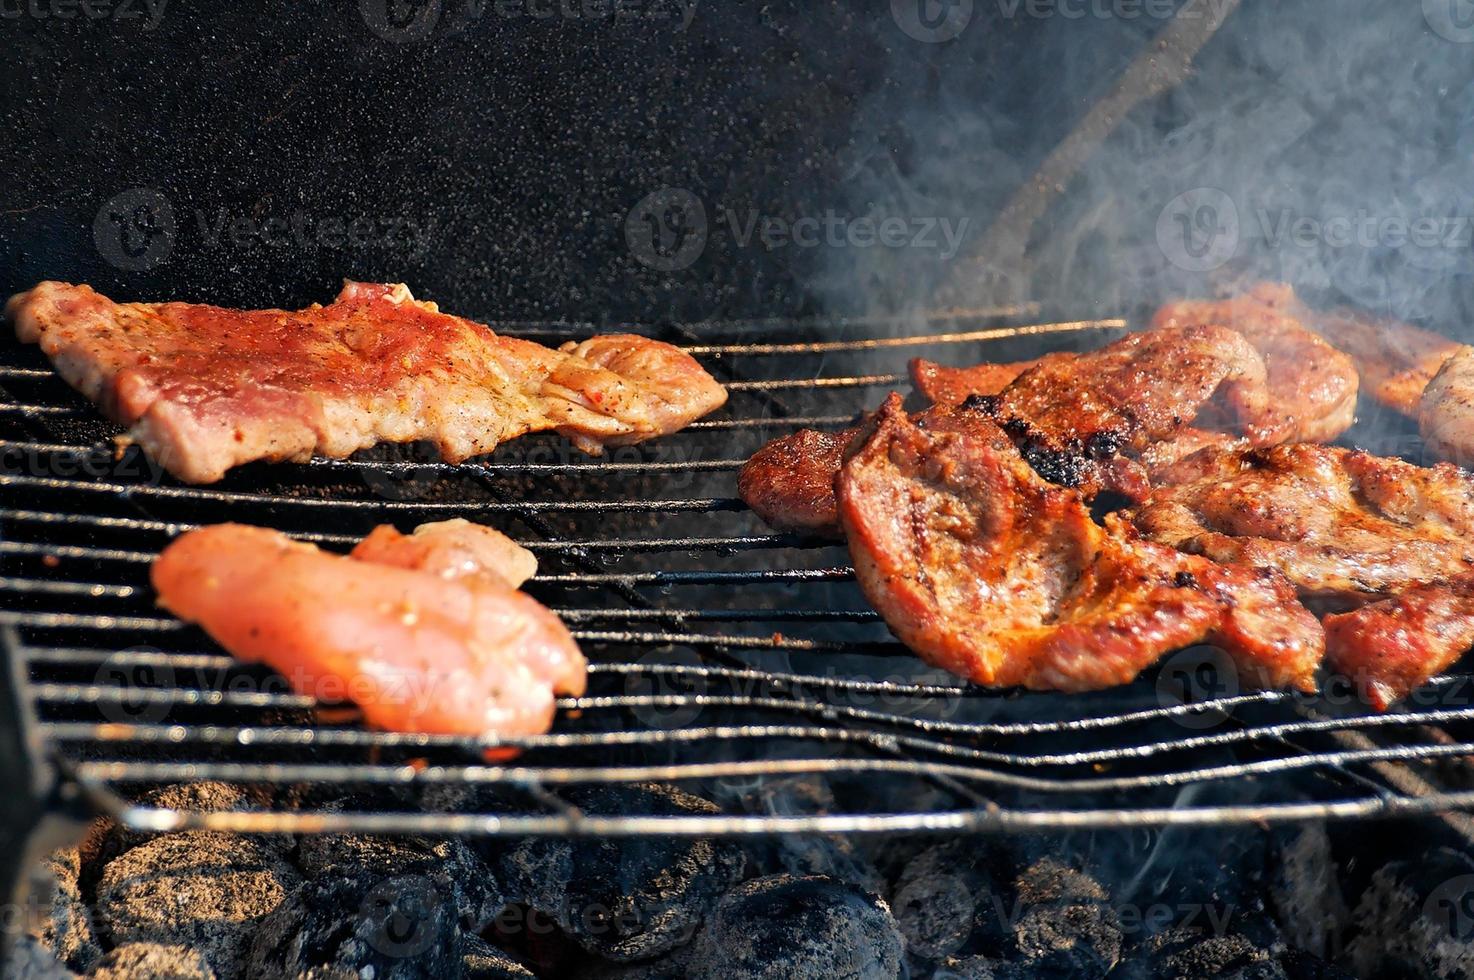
(1446, 410)
(416, 651)
(1337, 522)
(1184, 444)
(203, 389)
(1396, 359)
(986, 570)
(1312, 386)
(790, 482)
(1072, 413)
(1417, 372)
(952, 385)
(1141, 389)
(1390, 647)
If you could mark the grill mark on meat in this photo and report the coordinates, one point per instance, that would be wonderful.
(1075, 414)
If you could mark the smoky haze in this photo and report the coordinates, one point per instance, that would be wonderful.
(1329, 145)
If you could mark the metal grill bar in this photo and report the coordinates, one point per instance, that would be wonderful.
(777, 421)
(741, 542)
(855, 381)
(73, 693)
(603, 775)
(821, 711)
(394, 467)
(991, 820)
(147, 490)
(922, 340)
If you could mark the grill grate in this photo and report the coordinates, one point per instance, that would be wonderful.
(738, 663)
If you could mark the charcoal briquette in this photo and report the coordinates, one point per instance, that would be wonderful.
(394, 928)
(785, 927)
(200, 889)
(624, 899)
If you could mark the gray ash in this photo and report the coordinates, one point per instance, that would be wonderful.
(201, 797)
(480, 960)
(1416, 918)
(1305, 890)
(30, 959)
(132, 960)
(59, 917)
(1187, 954)
(200, 889)
(450, 865)
(1067, 920)
(943, 902)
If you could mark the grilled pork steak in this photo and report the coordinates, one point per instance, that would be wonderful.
(203, 388)
(789, 483)
(1312, 385)
(1071, 413)
(953, 385)
(988, 571)
(1388, 648)
(1396, 359)
(1337, 522)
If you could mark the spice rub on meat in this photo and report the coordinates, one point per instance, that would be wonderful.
(988, 571)
(789, 483)
(203, 389)
(1338, 523)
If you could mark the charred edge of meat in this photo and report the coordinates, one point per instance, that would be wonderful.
(1057, 466)
(987, 404)
(1067, 465)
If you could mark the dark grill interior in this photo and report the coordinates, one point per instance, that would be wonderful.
(724, 658)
